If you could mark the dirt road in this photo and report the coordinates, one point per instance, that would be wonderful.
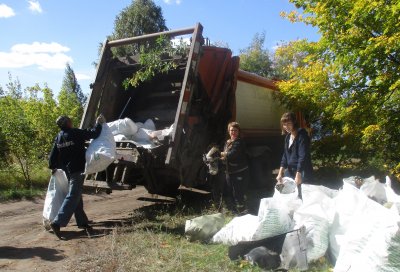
(26, 246)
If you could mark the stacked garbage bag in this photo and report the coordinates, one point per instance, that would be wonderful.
(356, 228)
(102, 150)
(143, 134)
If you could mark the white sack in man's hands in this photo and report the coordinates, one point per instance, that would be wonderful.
(101, 152)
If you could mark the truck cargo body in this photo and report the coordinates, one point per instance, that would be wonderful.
(199, 97)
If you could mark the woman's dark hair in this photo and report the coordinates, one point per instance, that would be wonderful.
(289, 117)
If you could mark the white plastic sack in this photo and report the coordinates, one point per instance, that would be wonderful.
(161, 134)
(149, 124)
(346, 203)
(123, 126)
(274, 219)
(101, 152)
(311, 189)
(390, 194)
(142, 135)
(374, 190)
(289, 186)
(294, 251)
(354, 181)
(144, 131)
(240, 229)
(56, 193)
(316, 214)
(204, 227)
(139, 125)
(145, 135)
(372, 239)
(120, 137)
(289, 197)
(393, 199)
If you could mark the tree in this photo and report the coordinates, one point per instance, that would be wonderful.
(3, 146)
(26, 134)
(71, 99)
(40, 108)
(349, 80)
(289, 55)
(27, 124)
(139, 18)
(18, 135)
(13, 86)
(68, 104)
(27, 128)
(70, 84)
(256, 58)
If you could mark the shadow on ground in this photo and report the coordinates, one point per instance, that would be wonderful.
(188, 204)
(48, 254)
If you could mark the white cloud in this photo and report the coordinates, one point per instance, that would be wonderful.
(273, 48)
(37, 47)
(6, 11)
(34, 6)
(80, 76)
(44, 55)
(172, 2)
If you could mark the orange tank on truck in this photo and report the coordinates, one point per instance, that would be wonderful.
(180, 114)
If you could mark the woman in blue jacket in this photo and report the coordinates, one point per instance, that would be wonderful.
(296, 158)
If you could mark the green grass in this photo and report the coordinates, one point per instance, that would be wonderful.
(153, 240)
(16, 194)
(13, 185)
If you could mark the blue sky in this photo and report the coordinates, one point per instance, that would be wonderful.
(39, 36)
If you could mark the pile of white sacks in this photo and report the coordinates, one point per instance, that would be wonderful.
(102, 150)
(144, 134)
(356, 227)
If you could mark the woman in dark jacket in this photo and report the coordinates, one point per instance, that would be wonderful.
(296, 159)
(237, 169)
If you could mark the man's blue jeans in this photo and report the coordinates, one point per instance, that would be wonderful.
(73, 203)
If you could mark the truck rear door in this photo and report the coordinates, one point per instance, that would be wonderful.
(186, 93)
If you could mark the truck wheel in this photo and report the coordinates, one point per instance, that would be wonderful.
(161, 182)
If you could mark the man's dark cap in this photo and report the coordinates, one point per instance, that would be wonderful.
(62, 121)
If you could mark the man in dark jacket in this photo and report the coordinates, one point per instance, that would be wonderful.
(68, 153)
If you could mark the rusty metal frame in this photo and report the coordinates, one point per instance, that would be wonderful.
(97, 90)
(170, 33)
(98, 86)
(186, 93)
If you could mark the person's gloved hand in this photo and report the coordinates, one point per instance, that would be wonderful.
(100, 119)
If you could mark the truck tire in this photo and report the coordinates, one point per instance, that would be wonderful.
(162, 182)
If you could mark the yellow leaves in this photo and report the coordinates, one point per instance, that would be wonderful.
(395, 86)
(292, 16)
(396, 171)
(371, 134)
(371, 129)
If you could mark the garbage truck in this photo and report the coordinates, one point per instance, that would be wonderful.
(196, 99)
